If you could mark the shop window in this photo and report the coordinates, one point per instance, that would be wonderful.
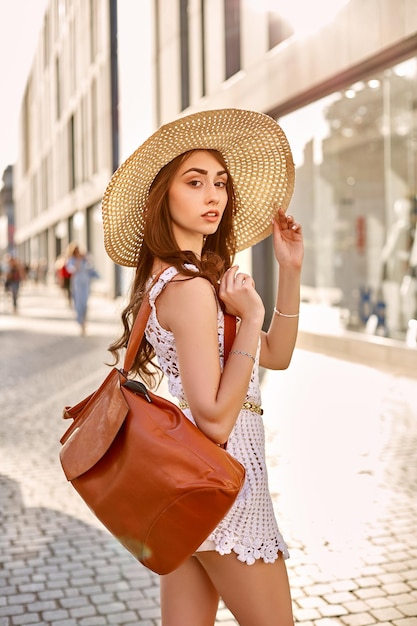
(356, 183)
(185, 55)
(46, 40)
(279, 29)
(232, 36)
(58, 87)
(94, 128)
(203, 47)
(71, 153)
(93, 12)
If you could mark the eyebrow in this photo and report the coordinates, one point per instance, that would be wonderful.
(200, 171)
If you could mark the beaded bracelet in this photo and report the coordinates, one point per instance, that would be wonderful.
(284, 314)
(243, 354)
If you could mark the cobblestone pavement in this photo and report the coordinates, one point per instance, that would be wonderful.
(342, 451)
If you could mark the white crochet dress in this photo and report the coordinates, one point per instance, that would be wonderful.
(249, 529)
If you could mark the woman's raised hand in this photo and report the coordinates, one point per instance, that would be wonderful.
(288, 240)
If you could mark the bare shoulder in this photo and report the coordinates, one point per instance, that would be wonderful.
(186, 301)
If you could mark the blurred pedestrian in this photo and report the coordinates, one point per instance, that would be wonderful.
(15, 274)
(40, 271)
(82, 271)
(63, 276)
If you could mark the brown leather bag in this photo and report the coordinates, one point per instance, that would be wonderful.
(157, 483)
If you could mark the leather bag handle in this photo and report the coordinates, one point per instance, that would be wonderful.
(136, 334)
(139, 326)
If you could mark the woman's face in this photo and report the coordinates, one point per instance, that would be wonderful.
(197, 199)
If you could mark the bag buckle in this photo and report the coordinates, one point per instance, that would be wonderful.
(138, 388)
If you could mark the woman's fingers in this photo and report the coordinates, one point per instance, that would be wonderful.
(286, 222)
(234, 280)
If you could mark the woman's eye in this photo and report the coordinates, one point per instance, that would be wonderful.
(221, 184)
(195, 183)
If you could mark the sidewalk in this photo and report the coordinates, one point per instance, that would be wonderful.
(46, 306)
(342, 451)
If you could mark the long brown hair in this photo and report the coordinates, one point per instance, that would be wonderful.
(159, 242)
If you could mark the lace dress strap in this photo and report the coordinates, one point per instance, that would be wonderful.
(163, 279)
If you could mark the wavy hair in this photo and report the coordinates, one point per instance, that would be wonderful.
(158, 242)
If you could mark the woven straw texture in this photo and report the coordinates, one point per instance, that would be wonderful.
(257, 154)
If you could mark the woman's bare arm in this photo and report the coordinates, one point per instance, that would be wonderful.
(277, 345)
(189, 309)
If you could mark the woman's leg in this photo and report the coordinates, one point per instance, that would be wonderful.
(15, 293)
(188, 597)
(257, 595)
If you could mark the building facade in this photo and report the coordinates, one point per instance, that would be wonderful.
(339, 77)
(67, 135)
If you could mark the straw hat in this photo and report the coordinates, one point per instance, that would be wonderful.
(258, 157)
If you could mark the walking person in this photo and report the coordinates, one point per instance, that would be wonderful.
(63, 276)
(197, 191)
(81, 270)
(15, 274)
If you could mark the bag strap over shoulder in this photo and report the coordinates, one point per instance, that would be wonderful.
(229, 333)
(136, 335)
(139, 326)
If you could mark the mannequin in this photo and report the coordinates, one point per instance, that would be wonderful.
(395, 267)
(408, 291)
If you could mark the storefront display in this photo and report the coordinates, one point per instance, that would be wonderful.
(356, 194)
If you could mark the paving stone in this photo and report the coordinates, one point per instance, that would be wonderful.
(368, 581)
(370, 592)
(344, 585)
(302, 615)
(95, 620)
(333, 610)
(124, 618)
(356, 606)
(27, 618)
(396, 588)
(392, 578)
(11, 609)
(340, 597)
(410, 610)
(87, 610)
(46, 605)
(109, 608)
(311, 602)
(76, 601)
(21, 598)
(319, 589)
(358, 619)
(379, 603)
(388, 615)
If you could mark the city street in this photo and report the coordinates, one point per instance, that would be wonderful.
(342, 452)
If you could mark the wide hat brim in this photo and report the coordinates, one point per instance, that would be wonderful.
(256, 152)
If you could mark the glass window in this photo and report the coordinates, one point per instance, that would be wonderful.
(232, 36)
(355, 153)
(185, 55)
(279, 29)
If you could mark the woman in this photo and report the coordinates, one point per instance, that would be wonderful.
(81, 272)
(197, 191)
(14, 276)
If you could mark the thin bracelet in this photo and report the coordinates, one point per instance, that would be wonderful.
(243, 354)
(284, 314)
